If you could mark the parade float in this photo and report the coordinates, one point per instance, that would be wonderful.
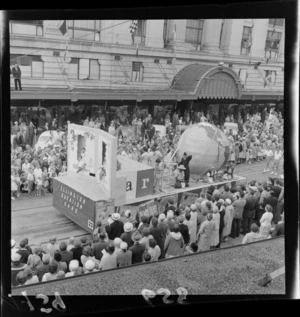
(99, 182)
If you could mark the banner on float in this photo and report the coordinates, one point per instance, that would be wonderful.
(74, 205)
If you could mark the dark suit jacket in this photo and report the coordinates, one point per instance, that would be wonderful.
(158, 235)
(137, 252)
(116, 229)
(184, 230)
(272, 201)
(16, 72)
(250, 207)
(97, 249)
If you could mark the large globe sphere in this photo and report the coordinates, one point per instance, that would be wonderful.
(207, 144)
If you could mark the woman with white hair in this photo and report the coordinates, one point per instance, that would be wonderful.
(267, 217)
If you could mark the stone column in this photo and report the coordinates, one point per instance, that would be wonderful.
(211, 36)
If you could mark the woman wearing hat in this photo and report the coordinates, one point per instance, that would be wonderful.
(126, 236)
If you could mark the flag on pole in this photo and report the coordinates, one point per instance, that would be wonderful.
(63, 27)
(174, 32)
(133, 26)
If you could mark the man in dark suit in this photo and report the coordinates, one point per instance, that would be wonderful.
(99, 246)
(184, 230)
(272, 201)
(249, 210)
(158, 235)
(185, 162)
(16, 72)
(116, 228)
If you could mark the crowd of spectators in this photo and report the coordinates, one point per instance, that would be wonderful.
(33, 167)
(255, 210)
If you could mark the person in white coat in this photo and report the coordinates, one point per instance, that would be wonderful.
(267, 217)
(215, 235)
(194, 216)
(229, 214)
(205, 233)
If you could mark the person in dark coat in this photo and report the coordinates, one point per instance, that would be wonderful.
(137, 249)
(272, 201)
(66, 256)
(16, 72)
(116, 227)
(184, 230)
(278, 229)
(99, 246)
(222, 224)
(77, 251)
(23, 251)
(185, 162)
(126, 236)
(158, 235)
(249, 210)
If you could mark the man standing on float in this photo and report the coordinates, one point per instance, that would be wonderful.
(185, 162)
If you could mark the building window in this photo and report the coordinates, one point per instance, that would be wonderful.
(30, 65)
(243, 75)
(272, 44)
(73, 68)
(137, 71)
(94, 69)
(85, 30)
(276, 22)
(246, 40)
(270, 77)
(27, 27)
(194, 31)
(84, 68)
(139, 36)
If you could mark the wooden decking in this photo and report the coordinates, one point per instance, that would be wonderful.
(36, 219)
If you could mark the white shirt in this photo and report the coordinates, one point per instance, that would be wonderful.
(277, 155)
(25, 167)
(266, 218)
(38, 175)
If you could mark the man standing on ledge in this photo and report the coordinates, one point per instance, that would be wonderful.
(185, 162)
(16, 72)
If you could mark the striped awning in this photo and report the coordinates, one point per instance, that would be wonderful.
(208, 82)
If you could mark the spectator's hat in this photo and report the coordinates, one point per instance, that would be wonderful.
(16, 257)
(12, 243)
(127, 213)
(46, 258)
(123, 246)
(228, 201)
(221, 201)
(128, 227)
(181, 167)
(193, 207)
(162, 216)
(136, 236)
(115, 216)
(89, 265)
(144, 219)
(73, 265)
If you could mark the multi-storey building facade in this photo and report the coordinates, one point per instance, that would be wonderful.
(163, 65)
